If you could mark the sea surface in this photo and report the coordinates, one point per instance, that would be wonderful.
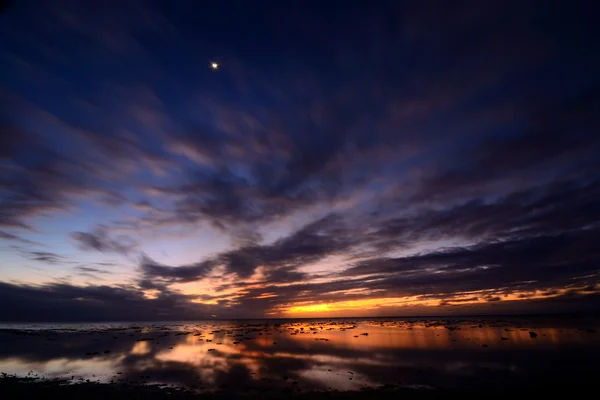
(303, 355)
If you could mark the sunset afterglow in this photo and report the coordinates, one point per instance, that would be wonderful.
(211, 161)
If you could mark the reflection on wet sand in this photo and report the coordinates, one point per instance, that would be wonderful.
(307, 355)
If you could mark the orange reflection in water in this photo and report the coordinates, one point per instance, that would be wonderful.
(416, 336)
(317, 353)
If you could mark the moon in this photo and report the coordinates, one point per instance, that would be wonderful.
(214, 65)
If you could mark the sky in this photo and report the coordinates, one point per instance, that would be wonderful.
(380, 158)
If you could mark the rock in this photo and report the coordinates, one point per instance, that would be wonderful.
(532, 335)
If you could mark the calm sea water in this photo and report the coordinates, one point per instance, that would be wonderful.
(308, 354)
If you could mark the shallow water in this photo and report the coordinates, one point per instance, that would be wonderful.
(307, 355)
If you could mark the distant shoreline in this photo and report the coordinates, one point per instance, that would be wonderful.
(445, 317)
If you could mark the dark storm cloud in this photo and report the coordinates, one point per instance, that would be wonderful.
(101, 240)
(569, 260)
(522, 264)
(309, 244)
(323, 237)
(556, 207)
(63, 302)
(152, 269)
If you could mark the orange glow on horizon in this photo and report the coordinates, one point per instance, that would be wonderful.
(464, 298)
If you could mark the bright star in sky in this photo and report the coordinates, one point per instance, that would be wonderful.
(214, 65)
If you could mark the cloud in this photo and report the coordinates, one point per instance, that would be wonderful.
(90, 270)
(526, 264)
(45, 257)
(100, 240)
(151, 269)
(9, 236)
(63, 302)
(323, 237)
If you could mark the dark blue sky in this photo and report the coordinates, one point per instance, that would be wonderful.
(377, 158)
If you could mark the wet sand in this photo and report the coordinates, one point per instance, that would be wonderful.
(313, 358)
(30, 388)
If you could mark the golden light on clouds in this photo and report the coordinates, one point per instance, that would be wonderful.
(359, 306)
(220, 288)
(265, 296)
(353, 305)
(151, 294)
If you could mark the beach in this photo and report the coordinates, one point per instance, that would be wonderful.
(305, 358)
